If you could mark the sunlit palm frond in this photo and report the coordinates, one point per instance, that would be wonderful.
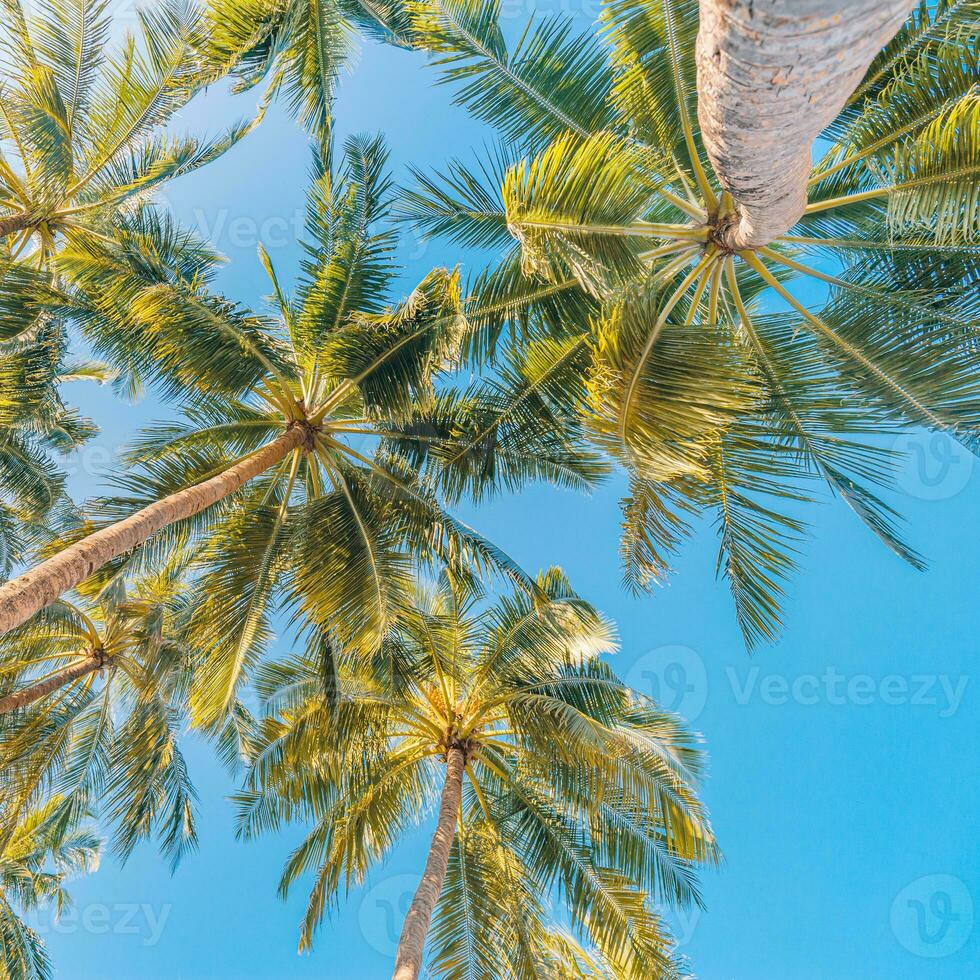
(573, 786)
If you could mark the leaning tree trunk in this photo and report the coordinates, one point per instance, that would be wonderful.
(20, 699)
(23, 596)
(771, 75)
(12, 223)
(408, 961)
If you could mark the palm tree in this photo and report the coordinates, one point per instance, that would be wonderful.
(288, 398)
(300, 47)
(551, 777)
(640, 319)
(82, 127)
(37, 427)
(94, 703)
(81, 146)
(39, 851)
(769, 79)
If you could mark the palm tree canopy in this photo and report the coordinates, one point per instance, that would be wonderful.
(108, 742)
(39, 852)
(576, 787)
(81, 123)
(81, 146)
(713, 375)
(335, 530)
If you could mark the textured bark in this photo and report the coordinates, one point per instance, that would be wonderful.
(411, 944)
(12, 223)
(20, 699)
(771, 75)
(23, 596)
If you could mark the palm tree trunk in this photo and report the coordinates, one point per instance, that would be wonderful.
(771, 75)
(66, 675)
(408, 961)
(10, 224)
(23, 596)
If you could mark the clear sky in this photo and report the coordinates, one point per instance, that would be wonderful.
(843, 781)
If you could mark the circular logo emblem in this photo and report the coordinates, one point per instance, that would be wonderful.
(383, 910)
(674, 676)
(934, 466)
(933, 916)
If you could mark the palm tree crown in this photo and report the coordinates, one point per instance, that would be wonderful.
(640, 315)
(99, 705)
(39, 852)
(565, 781)
(82, 128)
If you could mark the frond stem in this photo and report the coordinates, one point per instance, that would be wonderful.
(674, 299)
(844, 345)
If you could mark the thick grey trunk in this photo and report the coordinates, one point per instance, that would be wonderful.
(771, 75)
(20, 699)
(23, 596)
(411, 944)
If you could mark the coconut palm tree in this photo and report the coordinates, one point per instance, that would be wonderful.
(39, 852)
(769, 79)
(36, 426)
(725, 377)
(550, 778)
(82, 125)
(288, 397)
(300, 47)
(93, 708)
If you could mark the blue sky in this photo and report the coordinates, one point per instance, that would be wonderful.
(844, 778)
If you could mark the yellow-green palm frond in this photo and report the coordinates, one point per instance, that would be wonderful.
(39, 853)
(107, 741)
(576, 788)
(82, 118)
(554, 81)
(879, 275)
